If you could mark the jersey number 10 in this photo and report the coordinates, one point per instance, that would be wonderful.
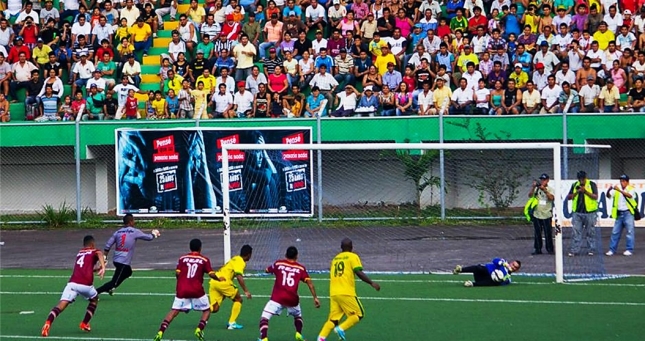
(192, 270)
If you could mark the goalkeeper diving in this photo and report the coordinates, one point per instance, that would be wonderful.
(496, 273)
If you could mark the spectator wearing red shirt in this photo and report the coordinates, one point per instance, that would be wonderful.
(104, 48)
(231, 29)
(29, 32)
(131, 106)
(477, 20)
(15, 50)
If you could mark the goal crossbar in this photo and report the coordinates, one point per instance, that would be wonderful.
(557, 177)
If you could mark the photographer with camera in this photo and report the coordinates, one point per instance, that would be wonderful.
(542, 214)
(584, 194)
(625, 211)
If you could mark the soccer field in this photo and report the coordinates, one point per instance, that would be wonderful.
(408, 307)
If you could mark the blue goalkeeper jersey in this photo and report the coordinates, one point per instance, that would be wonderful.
(498, 264)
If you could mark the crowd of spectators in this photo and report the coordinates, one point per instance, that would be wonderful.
(307, 58)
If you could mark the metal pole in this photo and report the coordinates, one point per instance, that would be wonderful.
(559, 217)
(226, 205)
(565, 150)
(199, 219)
(319, 166)
(77, 156)
(442, 171)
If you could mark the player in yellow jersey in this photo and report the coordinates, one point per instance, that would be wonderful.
(225, 288)
(342, 292)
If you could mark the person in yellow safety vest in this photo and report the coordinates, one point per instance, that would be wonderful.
(623, 211)
(584, 194)
(542, 214)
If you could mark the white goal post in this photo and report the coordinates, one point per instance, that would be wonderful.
(557, 176)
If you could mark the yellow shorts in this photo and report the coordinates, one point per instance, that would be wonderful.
(219, 290)
(345, 305)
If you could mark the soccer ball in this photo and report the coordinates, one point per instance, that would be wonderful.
(497, 276)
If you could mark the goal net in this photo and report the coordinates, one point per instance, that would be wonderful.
(409, 208)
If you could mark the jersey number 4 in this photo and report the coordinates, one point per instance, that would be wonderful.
(339, 269)
(80, 261)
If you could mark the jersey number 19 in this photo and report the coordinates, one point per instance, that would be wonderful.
(339, 269)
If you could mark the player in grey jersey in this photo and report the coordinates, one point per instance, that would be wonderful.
(124, 241)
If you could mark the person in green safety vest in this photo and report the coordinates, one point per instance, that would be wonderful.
(623, 211)
(584, 194)
(542, 214)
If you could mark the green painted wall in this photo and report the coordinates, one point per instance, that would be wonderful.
(414, 129)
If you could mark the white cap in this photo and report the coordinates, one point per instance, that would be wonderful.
(336, 2)
(369, 87)
(518, 65)
(627, 12)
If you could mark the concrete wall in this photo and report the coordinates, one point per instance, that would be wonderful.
(33, 177)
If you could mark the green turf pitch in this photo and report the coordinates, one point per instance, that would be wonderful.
(408, 307)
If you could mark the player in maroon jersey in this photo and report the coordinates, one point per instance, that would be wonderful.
(288, 274)
(81, 283)
(190, 294)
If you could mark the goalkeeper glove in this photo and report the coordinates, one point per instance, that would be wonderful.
(155, 233)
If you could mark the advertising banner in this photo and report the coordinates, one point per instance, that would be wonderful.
(178, 172)
(605, 204)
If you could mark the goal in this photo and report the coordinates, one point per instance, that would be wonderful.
(408, 207)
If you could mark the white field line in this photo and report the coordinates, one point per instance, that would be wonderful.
(429, 281)
(84, 338)
(410, 299)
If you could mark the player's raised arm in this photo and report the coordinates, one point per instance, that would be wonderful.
(147, 236)
(310, 284)
(240, 279)
(366, 279)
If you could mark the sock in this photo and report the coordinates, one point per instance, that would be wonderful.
(297, 322)
(264, 328)
(326, 329)
(201, 325)
(349, 322)
(164, 326)
(53, 314)
(235, 312)
(91, 308)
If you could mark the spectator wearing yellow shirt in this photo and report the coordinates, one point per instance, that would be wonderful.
(200, 101)
(40, 53)
(385, 58)
(141, 36)
(174, 81)
(376, 44)
(124, 49)
(441, 97)
(209, 82)
(159, 106)
(609, 97)
(462, 63)
(603, 36)
(519, 76)
(123, 31)
(196, 13)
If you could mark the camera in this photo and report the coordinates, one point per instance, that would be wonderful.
(577, 187)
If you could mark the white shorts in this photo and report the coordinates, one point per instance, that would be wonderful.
(73, 289)
(275, 308)
(186, 304)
